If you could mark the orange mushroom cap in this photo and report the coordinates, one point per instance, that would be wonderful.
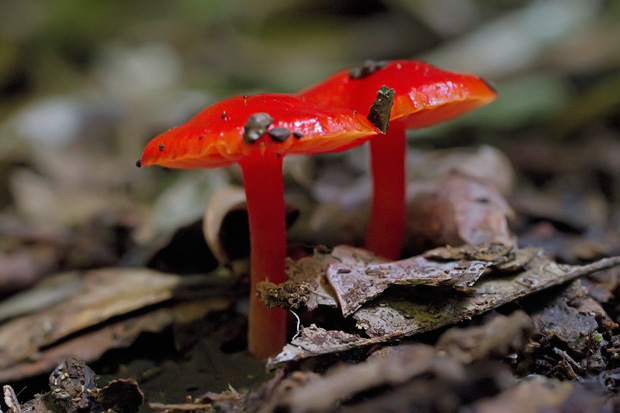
(245, 126)
(424, 94)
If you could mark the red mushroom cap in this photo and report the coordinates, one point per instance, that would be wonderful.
(256, 132)
(244, 126)
(425, 95)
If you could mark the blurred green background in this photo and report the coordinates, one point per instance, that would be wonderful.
(85, 84)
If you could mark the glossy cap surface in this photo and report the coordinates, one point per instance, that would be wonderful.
(425, 95)
(241, 126)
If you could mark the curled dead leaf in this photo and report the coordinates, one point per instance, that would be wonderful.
(455, 210)
(485, 164)
(225, 224)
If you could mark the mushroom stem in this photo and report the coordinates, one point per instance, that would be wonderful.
(387, 215)
(264, 190)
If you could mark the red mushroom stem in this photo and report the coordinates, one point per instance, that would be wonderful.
(264, 189)
(387, 217)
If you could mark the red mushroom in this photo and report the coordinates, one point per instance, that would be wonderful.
(256, 132)
(425, 95)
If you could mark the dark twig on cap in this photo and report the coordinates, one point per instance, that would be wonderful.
(379, 114)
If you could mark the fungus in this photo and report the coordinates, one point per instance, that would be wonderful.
(256, 133)
(425, 95)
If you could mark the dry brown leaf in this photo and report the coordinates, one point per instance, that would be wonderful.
(390, 319)
(356, 285)
(574, 209)
(497, 338)
(344, 381)
(307, 278)
(393, 378)
(92, 345)
(355, 280)
(122, 395)
(494, 253)
(103, 294)
(572, 317)
(485, 163)
(398, 317)
(271, 394)
(33, 343)
(73, 389)
(456, 210)
(531, 395)
(10, 399)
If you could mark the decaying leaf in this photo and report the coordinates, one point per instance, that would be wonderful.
(23, 268)
(484, 163)
(497, 338)
(225, 225)
(572, 317)
(73, 389)
(344, 381)
(10, 399)
(93, 344)
(313, 341)
(224, 202)
(459, 268)
(306, 285)
(33, 343)
(122, 395)
(399, 315)
(49, 291)
(570, 207)
(409, 377)
(489, 252)
(531, 395)
(456, 210)
(269, 397)
(568, 245)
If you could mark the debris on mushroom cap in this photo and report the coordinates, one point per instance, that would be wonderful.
(279, 134)
(369, 67)
(379, 114)
(256, 125)
(425, 95)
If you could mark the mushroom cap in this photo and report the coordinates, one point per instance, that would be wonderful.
(248, 126)
(425, 95)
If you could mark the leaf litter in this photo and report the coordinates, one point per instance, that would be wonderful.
(73, 388)
(100, 310)
(386, 315)
(567, 229)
